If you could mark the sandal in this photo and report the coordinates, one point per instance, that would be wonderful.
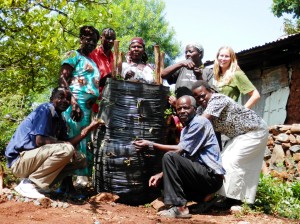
(174, 213)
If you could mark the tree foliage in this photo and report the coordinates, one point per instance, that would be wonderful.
(35, 34)
(279, 7)
(291, 27)
(146, 21)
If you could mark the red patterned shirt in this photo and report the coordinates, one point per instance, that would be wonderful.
(104, 63)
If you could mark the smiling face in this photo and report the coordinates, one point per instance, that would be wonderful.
(224, 59)
(185, 110)
(61, 99)
(202, 95)
(107, 39)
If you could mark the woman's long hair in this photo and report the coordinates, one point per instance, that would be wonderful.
(227, 77)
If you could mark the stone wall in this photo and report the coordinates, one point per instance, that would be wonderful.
(282, 156)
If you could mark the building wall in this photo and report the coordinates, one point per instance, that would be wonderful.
(275, 106)
(275, 71)
(273, 86)
(293, 104)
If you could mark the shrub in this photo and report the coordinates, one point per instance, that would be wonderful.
(277, 197)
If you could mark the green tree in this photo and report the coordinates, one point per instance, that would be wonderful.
(279, 7)
(135, 18)
(131, 18)
(291, 27)
(34, 34)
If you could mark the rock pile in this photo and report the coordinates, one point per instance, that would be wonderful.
(10, 195)
(282, 156)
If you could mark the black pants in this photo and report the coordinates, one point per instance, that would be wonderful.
(187, 180)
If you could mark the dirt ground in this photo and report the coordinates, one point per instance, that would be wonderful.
(97, 211)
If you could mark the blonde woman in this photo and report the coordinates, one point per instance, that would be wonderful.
(230, 80)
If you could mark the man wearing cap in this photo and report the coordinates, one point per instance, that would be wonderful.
(185, 73)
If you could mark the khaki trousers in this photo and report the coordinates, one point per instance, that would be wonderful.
(48, 164)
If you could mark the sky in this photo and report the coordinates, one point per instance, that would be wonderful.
(241, 24)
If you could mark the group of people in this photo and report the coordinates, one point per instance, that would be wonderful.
(200, 167)
(52, 143)
(47, 145)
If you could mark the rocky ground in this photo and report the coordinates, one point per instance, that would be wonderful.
(102, 208)
(282, 159)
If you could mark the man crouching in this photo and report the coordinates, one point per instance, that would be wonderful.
(40, 151)
(192, 170)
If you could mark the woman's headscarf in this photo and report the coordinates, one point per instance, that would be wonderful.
(142, 42)
(198, 46)
(137, 40)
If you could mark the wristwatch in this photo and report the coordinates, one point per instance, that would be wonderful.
(150, 146)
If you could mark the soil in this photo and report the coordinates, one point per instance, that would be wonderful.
(96, 210)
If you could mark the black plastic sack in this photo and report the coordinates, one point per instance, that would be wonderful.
(131, 111)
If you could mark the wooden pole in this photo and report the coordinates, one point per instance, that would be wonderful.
(162, 65)
(116, 56)
(157, 63)
(119, 63)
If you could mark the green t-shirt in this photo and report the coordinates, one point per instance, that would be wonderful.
(239, 84)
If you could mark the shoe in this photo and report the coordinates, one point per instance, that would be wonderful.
(27, 189)
(174, 213)
(66, 186)
(227, 203)
(202, 207)
(67, 190)
(236, 209)
(81, 181)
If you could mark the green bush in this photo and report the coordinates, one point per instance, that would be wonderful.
(296, 189)
(277, 197)
(13, 109)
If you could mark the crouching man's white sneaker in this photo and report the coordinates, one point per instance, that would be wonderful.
(27, 189)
